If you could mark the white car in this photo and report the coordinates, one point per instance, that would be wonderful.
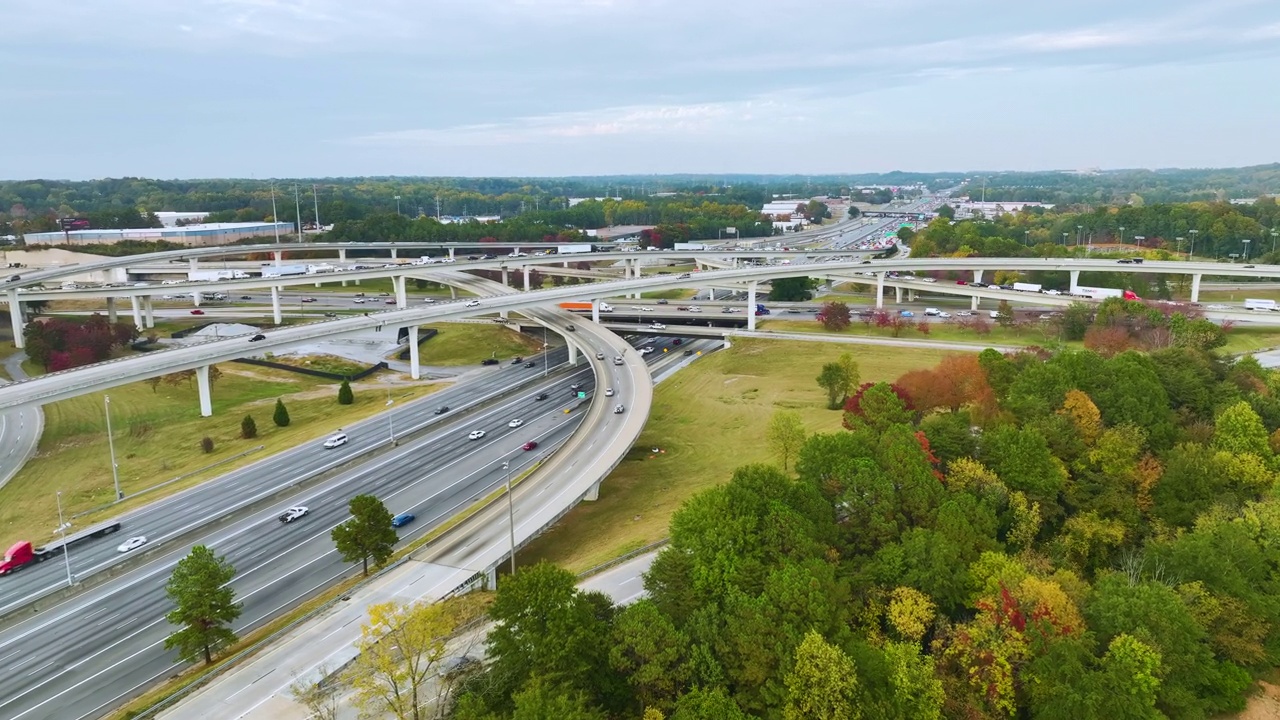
(428, 301)
(944, 314)
(608, 392)
(358, 301)
(618, 409)
(475, 435)
(646, 349)
(132, 543)
(515, 423)
(657, 326)
(647, 309)
(474, 303)
(1051, 291)
(929, 280)
(293, 513)
(335, 441)
(694, 308)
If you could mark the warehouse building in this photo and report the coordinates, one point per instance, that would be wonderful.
(202, 235)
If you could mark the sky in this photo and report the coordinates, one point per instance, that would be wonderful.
(327, 88)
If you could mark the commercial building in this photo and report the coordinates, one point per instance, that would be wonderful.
(171, 219)
(202, 235)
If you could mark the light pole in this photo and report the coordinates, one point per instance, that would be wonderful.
(1139, 239)
(391, 428)
(1180, 239)
(511, 515)
(1192, 251)
(1121, 237)
(1273, 239)
(1064, 238)
(111, 447)
(1246, 249)
(397, 204)
(546, 353)
(66, 551)
(1079, 234)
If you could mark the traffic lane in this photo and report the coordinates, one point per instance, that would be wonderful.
(312, 564)
(174, 514)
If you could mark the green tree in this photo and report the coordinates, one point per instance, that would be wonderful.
(1004, 314)
(831, 379)
(707, 704)
(946, 211)
(651, 653)
(1075, 321)
(367, 535)
(794, 289)
(204, 605)
(281, 415)
(786, 435)
(542, 700)
(345, 396)
(1238, 429)
(822, 684)
(248, 428)
(880, 406)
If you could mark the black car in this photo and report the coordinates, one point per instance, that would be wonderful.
(976, 283)
(473, 257)
(440, 410)
(257, 337)
(517, 360)
(570, 328)
(677, 341)
(489, 361)
(15, 278)
(662, 302)
(540, 396)
(575, 387)
(1125, 261)
(529, 364)
(246, 297)
(688, 352)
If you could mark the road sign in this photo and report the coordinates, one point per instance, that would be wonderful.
(581, 394)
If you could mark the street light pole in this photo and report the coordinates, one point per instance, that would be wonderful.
(546, 353)
(1139, 239)
(511, 516)
(111, 447)
(1122, 237)
(1192, 251)
(66, 551)
(391, 428)
(397, 204)
(1246, 249)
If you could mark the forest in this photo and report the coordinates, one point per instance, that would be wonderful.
(1026, 535)
(1111, 187)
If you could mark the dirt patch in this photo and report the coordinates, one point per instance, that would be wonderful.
(1263, 706)
(244, 371)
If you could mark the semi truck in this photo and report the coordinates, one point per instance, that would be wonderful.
(1253, 304)
(213, 275)
(1097, 293)
(761, 309)
(604, 307)
(573, 248)
(21, 554)
(320, 268)
(283, 270)
(1027, 287)
(689, 246)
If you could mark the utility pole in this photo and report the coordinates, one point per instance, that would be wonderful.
(275, 219)
(437, 207)
(316, 200)
(297, 209)
(66, 551)
(511, 516)
(111, 445)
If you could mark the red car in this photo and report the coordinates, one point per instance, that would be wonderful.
(390, 302)
(197, 311)
(961, 282)
(532, 444)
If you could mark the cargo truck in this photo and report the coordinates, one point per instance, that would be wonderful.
(1027, 287)
(21, 554)
(214, 275)
(1251, 304)
(320, 268)
(1096, 293)
(283, 270)
(604, 307)
(573, 248)
(689, 246)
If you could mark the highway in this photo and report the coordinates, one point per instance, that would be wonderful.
(20, 428)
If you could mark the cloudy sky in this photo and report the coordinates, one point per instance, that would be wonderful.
(288, 88)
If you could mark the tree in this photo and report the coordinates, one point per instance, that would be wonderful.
(1238, 429)
(345, 396)
(206, 444)
(707, 704)
(947, 212)
(835, 316)
(1004, 314)
(651, 653)
(822, 684)
(786, 435)
(541, 700)
(204, 603)
(248, 428)
(368, 534)
(879, 405)
(1084, 415)
(400, 650)
(322, 699)
(831, 379)
(281, 415)
(793, 289)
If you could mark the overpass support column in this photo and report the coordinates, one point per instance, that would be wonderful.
(402, 295)
(393, 254)
(202, 383)
(342, 257)
(136, 303)
(279, 254)
(414, 371)
(1195, 287)
(977, 276)
(111, 310)
(450, 253)
(15, 319)
(526, 277)
(595, 310)
(196, 298)
(275, 304)
(973, 302)
(897, 294)
(506, 277)
(194, 264)
(1075, 279)
(879, 290)
(911, 295)
(711, 294)
(573, 353)
(149, 312)
(751, 305)
(593, 493)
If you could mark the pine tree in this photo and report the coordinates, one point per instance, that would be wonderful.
(204, 604)
(281, 416)
(248, 428)
(345, 396)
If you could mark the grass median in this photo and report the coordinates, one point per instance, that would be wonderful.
(707, 420)
(157, 434)
(469, 343)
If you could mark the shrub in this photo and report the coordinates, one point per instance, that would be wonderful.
(248, 428)
(206, 444)
(281, 416)
(345, 396)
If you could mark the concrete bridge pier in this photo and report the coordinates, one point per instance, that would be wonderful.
(751, 304)
(414, 371)
(573, 353)
(196, 298)
(149, 313)
(911, 295)
(526, 277)
(453, 291)
(977, 276)
(491, 578)
(711, 294)
(973, 302)
(279, 255)
(342, 257)
(593, 493)
(897, 293)
(15, 319)
(136, 304)
(402, 295)
(1195, 287)
(393, 254)
(450, 253)
(595, 310)
(193, 264)
(506, 277)
(111, 310)
(206, 398)
(1075, 279)
(879, 291)
(275, 304)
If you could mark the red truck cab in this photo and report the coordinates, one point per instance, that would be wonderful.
(19, 554)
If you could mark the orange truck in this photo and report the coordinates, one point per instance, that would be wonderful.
(604, 307)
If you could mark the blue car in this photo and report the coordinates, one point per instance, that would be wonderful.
(907, 313)
(402, 519)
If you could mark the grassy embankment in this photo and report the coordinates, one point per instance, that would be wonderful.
(469, 343)
(157, 438)
(707, 420)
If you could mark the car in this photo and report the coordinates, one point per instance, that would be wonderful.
(489, 256)
(197, 311)
(308, 299)
(617, 359)
(132, 543)
(1249, 267)
(570, 328)
(618, 409)
(360, 294)
(1051, 291)
(389, 302)
(684, 276)
(475, 435)
(695, 308)
(944, 315)
(384, 294)
(726, 310)
(663, 302)
(677, 341)
(257, 337)
(541, 396)
(15, 278)
(403, 519)
(517, 360)
(440, 410)
(688, 352)
(294, 513)
(246, 297)
(429, 301)
(531, 445)
(331, 314)
(657, 326)
(358, 301)
(335, 440)
(599, 356)
(929, 280)
(575, 387)
(907, 313)
(961, 282)
(964, 313)
(646, 349)
(489, 361)
(473, 303)
(530, 364)
(977, 283)
(515, 423)
(473, 257)
(1125, 261)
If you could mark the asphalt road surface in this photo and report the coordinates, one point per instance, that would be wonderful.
(19, 429)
